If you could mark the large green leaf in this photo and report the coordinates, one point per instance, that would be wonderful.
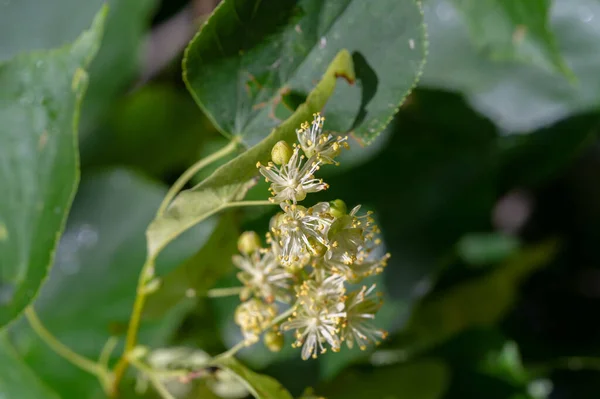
(425, 379)
(231, 181)
(252, 56)
(260, 386)
(515, 96)
(90, 291)
(514, 30)
(39, 113)
(17, 380)
(34, 25)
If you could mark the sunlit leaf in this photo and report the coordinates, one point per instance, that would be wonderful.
(517, 97)
(509, 30)
(39, 112)
(253, 59)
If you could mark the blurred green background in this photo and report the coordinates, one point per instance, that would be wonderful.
(486, 186)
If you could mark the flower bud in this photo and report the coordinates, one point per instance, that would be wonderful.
(317, 248)
(337, 208)
(273, 341)
(276, 221)
(248, 242)
(281, 152)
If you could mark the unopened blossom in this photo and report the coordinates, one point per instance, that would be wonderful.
(294, 179)
(313, 141)
(358, 327)
(253, 316)
(262, 275)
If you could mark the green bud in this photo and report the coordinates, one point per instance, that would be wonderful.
(273, 341)
(338, 208)
(281, 152)
(248, 242)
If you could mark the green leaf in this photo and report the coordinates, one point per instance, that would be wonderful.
(514, 30)
(200, 272)
(17, 380)
(480, 302)
(34, 25)
(39, 112)
(517, 97)
(425, 379)
(89, 294)
(253, 56)
(260, 386)
(231, 181)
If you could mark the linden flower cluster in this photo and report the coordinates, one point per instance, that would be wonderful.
(313, 257)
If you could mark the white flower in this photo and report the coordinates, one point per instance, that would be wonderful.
(313, 141)
(263, 275)
(329, 290)
(292, 181)
(352, 240)
(318, 316)
(367, 265)
(253, 317)
(360, 311)
(300, 232)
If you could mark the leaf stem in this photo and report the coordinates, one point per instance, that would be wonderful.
(107, 350)
(192, 170)
(160, 388)
(146, 275)
(64, 351)
(221, 292)
(154, 379)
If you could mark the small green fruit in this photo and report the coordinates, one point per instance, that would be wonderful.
(281, 152)
(273, 341)
(248, 242)
(338, 208)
